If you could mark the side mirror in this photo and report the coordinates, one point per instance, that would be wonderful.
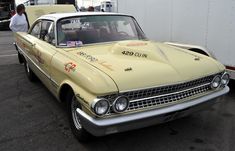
(53, 42)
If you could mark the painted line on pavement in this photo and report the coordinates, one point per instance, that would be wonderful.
(11, 55)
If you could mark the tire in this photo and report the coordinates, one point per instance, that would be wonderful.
(79, 132)
(20, 58)
(31, 76)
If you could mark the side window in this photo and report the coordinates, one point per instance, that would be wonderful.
(50, 37)
(47, 32)
(36, 30)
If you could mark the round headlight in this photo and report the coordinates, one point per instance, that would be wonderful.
(101, 107)
(120, 104)
(225, 79)
(216, 82)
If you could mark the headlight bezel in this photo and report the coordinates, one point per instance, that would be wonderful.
(213, 81)
(94, 106)
(225, 74)
(115, 102)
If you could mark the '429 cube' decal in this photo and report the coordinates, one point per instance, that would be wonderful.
(136, 54)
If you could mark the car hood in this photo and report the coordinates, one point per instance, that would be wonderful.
(140, 64)
(36, 11)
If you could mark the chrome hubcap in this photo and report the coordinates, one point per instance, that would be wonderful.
(76, 120)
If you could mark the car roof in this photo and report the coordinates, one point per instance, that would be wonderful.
(58, 16)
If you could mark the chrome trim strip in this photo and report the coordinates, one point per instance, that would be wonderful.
(147, 114)
(139, 89)
(34, 63)
(52, 80)
(54, 83)
(169, 93)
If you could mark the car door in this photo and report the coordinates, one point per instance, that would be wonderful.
(43, 49)
(27, 42)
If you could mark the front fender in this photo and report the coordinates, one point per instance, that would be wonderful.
(79, 92)
(86, 81)
(193, 48)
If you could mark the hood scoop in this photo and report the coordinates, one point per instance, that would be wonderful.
(139, 50)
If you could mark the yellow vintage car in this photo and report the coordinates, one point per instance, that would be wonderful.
(111, 77)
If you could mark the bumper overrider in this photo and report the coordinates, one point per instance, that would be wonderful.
(110, 125)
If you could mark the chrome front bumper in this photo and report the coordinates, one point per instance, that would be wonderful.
(101, 127)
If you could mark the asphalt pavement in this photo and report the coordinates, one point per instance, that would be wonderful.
(32, 120)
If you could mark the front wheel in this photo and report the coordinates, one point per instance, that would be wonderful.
(80, 133)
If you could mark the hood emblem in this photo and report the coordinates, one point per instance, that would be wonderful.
(128, 69)
(197, 59)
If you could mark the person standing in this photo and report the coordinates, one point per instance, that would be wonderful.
(91, 9)
(19, 22)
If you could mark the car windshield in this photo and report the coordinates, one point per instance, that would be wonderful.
(77, 31)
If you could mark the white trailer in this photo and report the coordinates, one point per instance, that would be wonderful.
(107, 6)
(206, 23)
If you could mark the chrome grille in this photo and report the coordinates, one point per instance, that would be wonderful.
(167, 98)
(163, 95)
(167, 89)
(138, 94)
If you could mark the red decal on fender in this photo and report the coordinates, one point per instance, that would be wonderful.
(70, 67)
